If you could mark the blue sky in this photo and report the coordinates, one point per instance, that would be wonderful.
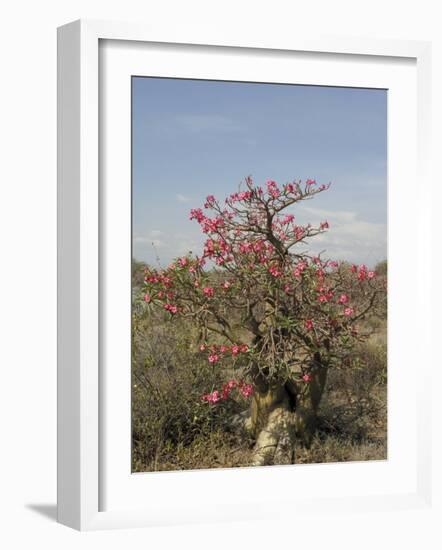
(192, 138)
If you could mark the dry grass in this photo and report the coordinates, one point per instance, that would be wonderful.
(353, 412)
(174, 430)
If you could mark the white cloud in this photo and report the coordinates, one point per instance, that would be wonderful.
(164, 246)
(142, 240)
(349, 237)
(182, 198)
(341, 216)
(184, 244)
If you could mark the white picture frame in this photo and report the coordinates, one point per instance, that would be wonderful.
(79, 296)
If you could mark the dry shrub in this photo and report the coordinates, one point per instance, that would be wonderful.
(172, 428)
(353, 413)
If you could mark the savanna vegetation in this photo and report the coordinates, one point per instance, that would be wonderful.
(256, 352)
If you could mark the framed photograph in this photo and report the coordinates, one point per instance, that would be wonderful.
(234, 250)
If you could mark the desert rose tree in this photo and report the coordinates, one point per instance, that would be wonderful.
(272, 315)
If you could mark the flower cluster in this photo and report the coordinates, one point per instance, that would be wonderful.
(244, 389)
(254, 274)
(171, 308)
(230, 238)
(362, 272)
(218, 352)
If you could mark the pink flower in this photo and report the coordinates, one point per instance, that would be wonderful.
(343, 299)
(371, 274)
(272, 189)
(362, 273)
(310, 182)
(227, 388)
(307, 378)
(244, 348)
(213, 358)
(301, 266)
(354, 268)
(167, 281)
(324, 225)
(182, 262)
(223, 349)
(213, 397)
(299, 232)
(196, 214)
(290, 188)
(208, 291)
(246, 390)
(309, 324)
(349, 311)
(244, 195)
(226, 284)
(147, 298)
(325, 297)
(171, 308)
(235, 350)
(202, 347)
(275, 271)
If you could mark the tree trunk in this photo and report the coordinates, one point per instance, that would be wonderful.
(273, 425)
(282, 414)
(307, 404)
